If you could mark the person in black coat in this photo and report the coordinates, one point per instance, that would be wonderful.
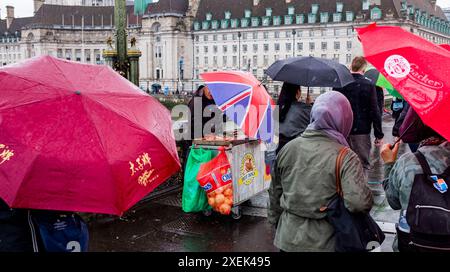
(295, 115)
(362, 95)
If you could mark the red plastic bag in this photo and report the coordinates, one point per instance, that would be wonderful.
(216, 179)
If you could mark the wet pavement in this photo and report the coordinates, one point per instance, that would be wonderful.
(160, 225)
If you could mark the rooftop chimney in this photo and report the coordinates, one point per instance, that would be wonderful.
(255, 2)
(9, 16)
(37, 5)
(288, 1)
(433, 3)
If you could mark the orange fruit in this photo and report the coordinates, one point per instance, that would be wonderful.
(211, 201)
(220, 199)
(225, 209)
(228, 192)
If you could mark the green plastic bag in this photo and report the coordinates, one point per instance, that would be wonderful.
(194, 198)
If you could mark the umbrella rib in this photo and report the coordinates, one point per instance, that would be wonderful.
(61, 71)
(134, 124)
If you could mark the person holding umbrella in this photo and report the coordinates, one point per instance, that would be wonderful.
(294, 114)
(363, 97)
(401, 175)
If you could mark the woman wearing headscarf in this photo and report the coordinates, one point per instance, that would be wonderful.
(305, 179)
(294, 114)
(400, 174)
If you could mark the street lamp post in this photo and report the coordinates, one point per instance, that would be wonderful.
(293, 42)
(193, 61)
(239, 38)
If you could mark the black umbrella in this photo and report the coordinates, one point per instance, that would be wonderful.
(310, 72)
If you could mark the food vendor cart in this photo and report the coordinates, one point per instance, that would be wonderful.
(250, 176)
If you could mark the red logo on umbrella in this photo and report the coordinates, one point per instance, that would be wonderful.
(424, 79)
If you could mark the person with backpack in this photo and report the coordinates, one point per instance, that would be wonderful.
(305, 179)
(29, 230)
(416, 184)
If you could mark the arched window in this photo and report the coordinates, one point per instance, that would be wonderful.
(156, 27)
(375, 14)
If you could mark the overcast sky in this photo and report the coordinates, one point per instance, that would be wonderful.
(24, 8)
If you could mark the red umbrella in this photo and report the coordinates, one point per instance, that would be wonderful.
(446, 46)
(417, 68)
(77, 137)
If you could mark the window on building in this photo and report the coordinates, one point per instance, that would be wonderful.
(197, 61)
(324, 46)
(349, 31)
(205, 49)
(276, 20)
(244, 36)
(348, 58)
(288, 46)
(266, 60)
(224, 61)
(337, 17)
(68, 54)
(235, 48)
(324, 17)
(365, 4)
(349, 16)
(234, 36)
(234, 61)
(349, 45)
(215, 37)
(312, 46)
(197, 38)
(255, 47)
(291, 10)
(314, 8)
(311, 33)
(288, 34)
(337, 45)
(247, 13)
(266, 35)
(299, 33)
(255, 35)
(98, 56)
(266, 47)
(87, 56)
(197, 50)
(277, 46)
(336, 57)
(206, 61)
(339, 6)
(215, 49)
(59, 53)
(299, 19)
(312, 18)
(268, 12)
(227, 15)
(277, 34)
(300, 46)
(225, 37)
(255, 60)
(375, 14)
(205, 38)
(244, 48)
(225, 49)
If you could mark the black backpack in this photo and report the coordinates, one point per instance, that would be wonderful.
(428, 213)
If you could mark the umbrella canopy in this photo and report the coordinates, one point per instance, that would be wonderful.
(446, 46)
(381, 81)
(310, 72)
(244, 100)
(417, 68)
(77, 137)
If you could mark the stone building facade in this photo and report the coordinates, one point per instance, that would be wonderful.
(180, 39)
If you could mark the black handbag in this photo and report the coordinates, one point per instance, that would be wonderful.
(354, 232)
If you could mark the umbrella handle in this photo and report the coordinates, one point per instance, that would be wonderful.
(403, 134)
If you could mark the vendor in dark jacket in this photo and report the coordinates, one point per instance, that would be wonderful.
(363, 97)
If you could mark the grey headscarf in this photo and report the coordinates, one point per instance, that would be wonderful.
(333, 115)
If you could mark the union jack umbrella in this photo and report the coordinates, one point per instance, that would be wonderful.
(244, 100)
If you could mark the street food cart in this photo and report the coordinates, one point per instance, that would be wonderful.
(250, 176)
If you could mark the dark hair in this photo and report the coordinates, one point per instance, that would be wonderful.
(288, 95)
(199, 91)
